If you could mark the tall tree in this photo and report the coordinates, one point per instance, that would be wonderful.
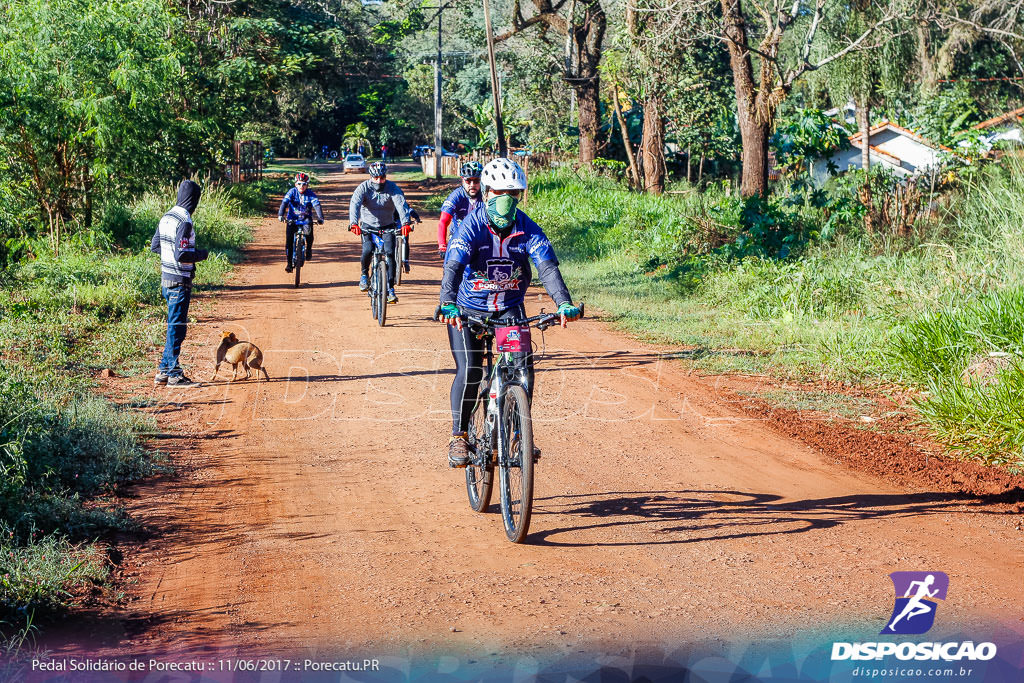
(770, 48)
(583, 24)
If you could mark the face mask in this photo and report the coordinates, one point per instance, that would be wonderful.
(377, 185)
(501, 210)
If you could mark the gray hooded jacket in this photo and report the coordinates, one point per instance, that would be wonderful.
(373, 208)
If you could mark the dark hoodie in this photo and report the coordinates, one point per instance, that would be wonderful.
(175, 237)
(188, 195)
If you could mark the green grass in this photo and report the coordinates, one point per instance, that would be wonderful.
(850, 308)
(829, 403)
(64, 451)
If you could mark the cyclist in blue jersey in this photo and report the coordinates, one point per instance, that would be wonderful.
(299, 201)
(459, 203)
(486, 273)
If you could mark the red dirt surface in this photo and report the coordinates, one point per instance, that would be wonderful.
(316, 512)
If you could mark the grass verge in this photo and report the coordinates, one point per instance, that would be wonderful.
(851, 308)
(64, 451)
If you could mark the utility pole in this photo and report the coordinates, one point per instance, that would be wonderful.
(438, 149)
(499, 127)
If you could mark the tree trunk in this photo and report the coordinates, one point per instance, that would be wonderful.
(688, 157)
(653, 146)
(755, 121)
(864, 126)
(589, 46)
(588, 96)
(634, 172)
(700, 170)
(929, 82)
(754, 136)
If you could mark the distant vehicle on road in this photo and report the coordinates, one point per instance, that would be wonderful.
(355, 163)
(428, 151)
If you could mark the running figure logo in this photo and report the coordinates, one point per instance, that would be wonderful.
(916, 594)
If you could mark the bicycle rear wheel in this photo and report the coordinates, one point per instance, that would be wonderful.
(382, 293)
(515, 463)
(480, 470)
(399, 252)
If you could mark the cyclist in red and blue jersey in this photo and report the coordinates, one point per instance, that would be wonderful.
(459, 203)
(486, 273)
(299, 201)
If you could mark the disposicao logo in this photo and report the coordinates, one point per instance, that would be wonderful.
(916, 594)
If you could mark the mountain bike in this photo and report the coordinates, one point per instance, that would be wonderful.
(379, 274)
(303, 227)
(402, 251)
(501, 427)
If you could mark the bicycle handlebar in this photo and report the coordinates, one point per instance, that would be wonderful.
(544, 320)
(380, 231)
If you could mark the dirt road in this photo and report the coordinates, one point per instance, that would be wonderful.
(316, 511)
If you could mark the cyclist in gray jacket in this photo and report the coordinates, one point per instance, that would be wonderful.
(372, 207)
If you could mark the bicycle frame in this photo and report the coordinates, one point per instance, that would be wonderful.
(499, 375)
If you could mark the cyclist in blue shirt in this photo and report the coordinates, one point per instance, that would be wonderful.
(459, 203)
(486, 273)
(299, 201)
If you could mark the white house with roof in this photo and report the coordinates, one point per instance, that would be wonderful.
(1005, 127)
(894, 147)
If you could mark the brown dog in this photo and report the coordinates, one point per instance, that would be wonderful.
(235, 352)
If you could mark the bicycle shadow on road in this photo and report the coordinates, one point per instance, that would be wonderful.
(673, 517)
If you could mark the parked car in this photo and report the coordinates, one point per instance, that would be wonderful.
(428, 151)
(355, 163)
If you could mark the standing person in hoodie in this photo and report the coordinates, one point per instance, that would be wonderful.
(175, 241)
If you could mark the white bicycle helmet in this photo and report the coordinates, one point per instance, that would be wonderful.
(503, 174)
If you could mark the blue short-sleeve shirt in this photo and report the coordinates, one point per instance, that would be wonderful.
(459, 204)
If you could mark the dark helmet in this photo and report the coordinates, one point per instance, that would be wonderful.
(471, 169)
(378, 169)
(301, 177)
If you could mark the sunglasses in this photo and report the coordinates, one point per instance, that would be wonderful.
(302, 184)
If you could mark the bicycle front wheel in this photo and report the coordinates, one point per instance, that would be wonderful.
(515, 463)
(480, 470)
(373, 291)
(399, 251)
(298, 255)
(382, 293)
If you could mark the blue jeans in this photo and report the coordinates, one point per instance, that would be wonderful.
(178, 298)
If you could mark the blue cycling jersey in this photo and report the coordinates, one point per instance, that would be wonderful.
(300, 203)
(496, 271)
(459, 204)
